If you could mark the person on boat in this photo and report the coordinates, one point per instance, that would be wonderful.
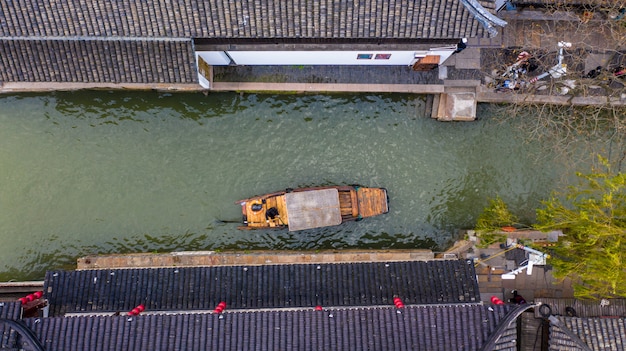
(271, 213)
(273, 217)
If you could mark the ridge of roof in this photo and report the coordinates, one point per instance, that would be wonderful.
(452, 327)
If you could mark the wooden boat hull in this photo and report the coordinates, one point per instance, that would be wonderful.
(307, 208)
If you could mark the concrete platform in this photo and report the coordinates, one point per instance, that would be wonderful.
(468, 58)
(11, 291)
(213, 258)
(328, 87)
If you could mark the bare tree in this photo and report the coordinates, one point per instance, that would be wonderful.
(566, 71)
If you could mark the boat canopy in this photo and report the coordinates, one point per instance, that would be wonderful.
(313, 209)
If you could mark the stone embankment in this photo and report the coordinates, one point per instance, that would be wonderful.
(490, 265)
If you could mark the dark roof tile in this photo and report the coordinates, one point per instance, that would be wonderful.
(97, 61)
(581, 308)
(267, 286)
(10, 310)
(412, 328)
(129, 41)
(241, 19)
(597, 333)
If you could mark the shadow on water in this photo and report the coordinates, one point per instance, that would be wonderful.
(143, 105)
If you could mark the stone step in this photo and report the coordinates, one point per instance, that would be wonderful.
(489, 270)
(487, 278)
(486, 286)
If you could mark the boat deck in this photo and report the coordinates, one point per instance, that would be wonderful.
(258, 219)
(346, 201)
(372, 201)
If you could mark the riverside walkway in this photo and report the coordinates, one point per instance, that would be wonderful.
(470, 70)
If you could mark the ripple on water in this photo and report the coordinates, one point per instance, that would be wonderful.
(99, 172)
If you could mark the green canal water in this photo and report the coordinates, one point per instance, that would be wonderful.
(112, 172)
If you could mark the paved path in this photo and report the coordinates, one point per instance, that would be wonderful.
(540, 284)
(214, 258)
(329, 87)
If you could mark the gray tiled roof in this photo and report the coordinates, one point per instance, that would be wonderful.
(581, 308)
(433, 328)
(10, 310)
(552, 3)
(240, 19)
(131, 41)
(97, 61)
(267, 286)
(601, 334)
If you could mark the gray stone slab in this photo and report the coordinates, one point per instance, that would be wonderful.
(461, 106)
(443, 72)
(468, 59)
(457, 106)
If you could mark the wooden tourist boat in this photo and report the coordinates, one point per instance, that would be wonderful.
(308, 208)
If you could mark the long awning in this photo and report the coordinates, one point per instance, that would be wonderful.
(313, 209)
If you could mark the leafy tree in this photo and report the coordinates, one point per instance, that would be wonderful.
(491, 221)
(592, 216)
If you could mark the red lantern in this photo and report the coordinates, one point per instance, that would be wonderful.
(220, 307)
(398, 302)
(137, 310)
(496, 301)
(30, 297)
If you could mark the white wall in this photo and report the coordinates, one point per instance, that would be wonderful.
(265, 58)
(320, 57)
(215, 58)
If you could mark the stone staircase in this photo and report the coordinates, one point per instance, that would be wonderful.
(490, 283)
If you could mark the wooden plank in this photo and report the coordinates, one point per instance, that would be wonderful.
(345, 204)
(426, 63)
(355, 203)
(282, 210)
(256, 219)
(441, 108)
(372, 201)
